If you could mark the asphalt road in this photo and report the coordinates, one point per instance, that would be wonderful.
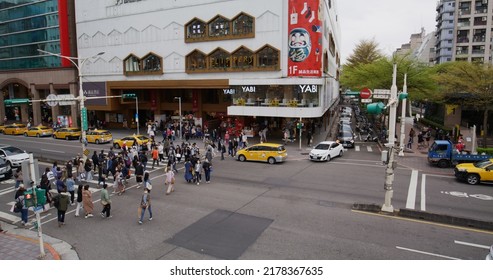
(294, 210)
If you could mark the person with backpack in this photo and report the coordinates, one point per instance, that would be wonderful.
(106, 202)
(61, 204)
(145, 204)
(18, 177)
(207, 166)
(20, 205)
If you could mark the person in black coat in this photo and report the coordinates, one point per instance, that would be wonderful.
(95, 160)
(139, 173)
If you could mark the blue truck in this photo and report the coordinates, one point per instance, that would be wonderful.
(442, 153)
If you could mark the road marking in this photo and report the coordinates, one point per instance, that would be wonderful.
(423, 222)
(8, 190)
(356, 148)
(411, 193)
(471, 244)
(423, 192)
(53, 151)
(426, 253)
(369, 149)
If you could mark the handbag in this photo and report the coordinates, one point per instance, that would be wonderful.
(173, 180)
(18, 206)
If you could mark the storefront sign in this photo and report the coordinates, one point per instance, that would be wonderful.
(95, 89)
(305, 38)
(250, 89)
(229, 91)
(308, 88)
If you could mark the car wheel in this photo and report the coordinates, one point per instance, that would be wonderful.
(328, 158)
(97, 141)
(340, 153)
(116, 146)
(54, 136)
(442, 164)
(472, 179)
(241, 158)
(271, 160)
(66, 138)
(25, 134)
(37, 135)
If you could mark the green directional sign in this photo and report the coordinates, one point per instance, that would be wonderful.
(16, 101)
(83, 114)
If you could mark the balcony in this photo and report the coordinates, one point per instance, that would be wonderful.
(479, 39)
(481, 11)
(461, 40)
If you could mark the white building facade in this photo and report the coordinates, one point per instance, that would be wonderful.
(272, 59)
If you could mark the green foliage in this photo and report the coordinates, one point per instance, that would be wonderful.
(488, 151)
(434, 124)
(366, 52)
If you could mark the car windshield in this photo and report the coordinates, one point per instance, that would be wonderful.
(141, 137)
(345, 134)
(12, 151)
(482, 164)
(75, 130)
(322, 146)
(104, 133)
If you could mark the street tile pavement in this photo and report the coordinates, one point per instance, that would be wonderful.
(17, 247)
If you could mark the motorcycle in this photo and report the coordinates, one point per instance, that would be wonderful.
(371, 136)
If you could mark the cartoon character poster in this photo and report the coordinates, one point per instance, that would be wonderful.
(305, 38)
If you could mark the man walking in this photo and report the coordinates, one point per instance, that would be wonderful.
(106, 202)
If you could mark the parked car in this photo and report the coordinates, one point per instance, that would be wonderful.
(268, 152)
(99, 136)
(67, 133)
(346, 138)
(15, 129)
(5, 169)
(13, 155)
(39, 131)
(326, 150)
(132, 140)
(474, 173)
(2, 127)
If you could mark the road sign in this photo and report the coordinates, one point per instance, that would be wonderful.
(381, 96)
(83, 114)
(51, 100)
(86, 152)
(369, 100)
(16, 101)
(66, 99)
(365, 93)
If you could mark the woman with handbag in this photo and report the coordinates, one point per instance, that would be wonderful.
(170, 180)
(145, 203)
(106, 202)
(147, 181)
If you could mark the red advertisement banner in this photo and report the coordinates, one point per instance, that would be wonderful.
(305, 36)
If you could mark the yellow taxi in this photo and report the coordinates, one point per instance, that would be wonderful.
(67, 133)
(132, 140)
(39, 131)
(268, 152)
(15, 129)
(2, 127)
(99, 136)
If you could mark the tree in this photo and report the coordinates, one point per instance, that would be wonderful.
(365, 52)
(467, 84)
(378, 75)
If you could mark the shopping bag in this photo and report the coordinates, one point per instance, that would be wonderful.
(294, 17)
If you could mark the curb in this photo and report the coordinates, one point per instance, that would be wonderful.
(427, 216)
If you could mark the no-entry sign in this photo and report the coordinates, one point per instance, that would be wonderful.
(365, 93)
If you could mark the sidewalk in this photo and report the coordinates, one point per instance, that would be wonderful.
(23, 244)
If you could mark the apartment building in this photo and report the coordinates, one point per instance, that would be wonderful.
(445, 32)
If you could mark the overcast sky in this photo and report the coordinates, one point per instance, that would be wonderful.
(389, 22)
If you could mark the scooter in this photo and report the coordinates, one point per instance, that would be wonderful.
(371, 136)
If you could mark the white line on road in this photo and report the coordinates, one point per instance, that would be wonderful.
(411, 193)
(426, 253)
(53, 151)
(423, 192)
(369, 149)
(356, 148)
(471, 244)
(7, 190)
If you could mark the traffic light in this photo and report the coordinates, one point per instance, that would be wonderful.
(403, 95)
(299, 125)
(16, 101)
(129, 97)
(40, 197)
(29, 198)
(375, 108)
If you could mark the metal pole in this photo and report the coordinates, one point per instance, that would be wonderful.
(403, 119)
(301, 127)
(137, 113)
(389, 172)
(179, 111)
(82, 105)
(38, 218)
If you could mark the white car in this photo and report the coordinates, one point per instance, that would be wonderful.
(326, 150)
(14, 156)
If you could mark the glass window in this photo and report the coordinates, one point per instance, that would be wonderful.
(219, 59)
(151, 63)
(132, 64)
(243, 25)
(219, 27)
(268, 57)
(242, 58)
(196, 60)
(196, 29)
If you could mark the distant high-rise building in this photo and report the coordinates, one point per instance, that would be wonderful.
(421, 47)
(445, 31)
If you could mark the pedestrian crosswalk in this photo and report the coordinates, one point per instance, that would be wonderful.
(358, 148)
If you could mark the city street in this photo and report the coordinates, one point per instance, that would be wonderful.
(293, 210)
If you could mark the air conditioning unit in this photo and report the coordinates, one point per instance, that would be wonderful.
(485, 1)
(484, 19)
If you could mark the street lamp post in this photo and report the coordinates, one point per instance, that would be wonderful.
(79, 64)
(179, 112)
(403, 119)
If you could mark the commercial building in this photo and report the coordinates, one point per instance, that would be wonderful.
(253, 61)
(27, 26)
